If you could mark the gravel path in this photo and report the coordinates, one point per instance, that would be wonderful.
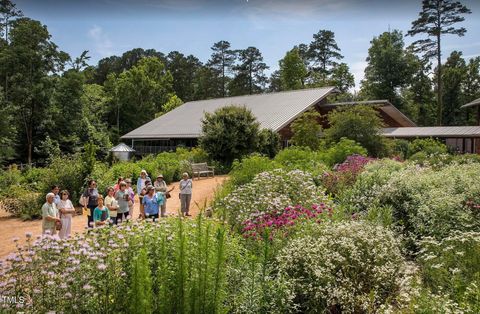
(203, 190)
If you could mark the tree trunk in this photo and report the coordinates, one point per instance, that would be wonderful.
(439, 69)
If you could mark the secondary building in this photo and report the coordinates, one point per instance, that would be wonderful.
(276, 111)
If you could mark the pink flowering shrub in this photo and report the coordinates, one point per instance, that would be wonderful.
(344, 174)
(281, 221)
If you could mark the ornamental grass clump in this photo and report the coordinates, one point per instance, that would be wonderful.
(348, 267)
(270, 191)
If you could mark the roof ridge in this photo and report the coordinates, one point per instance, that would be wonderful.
(264, 94)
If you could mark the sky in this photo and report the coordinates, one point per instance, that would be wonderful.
(111, 27)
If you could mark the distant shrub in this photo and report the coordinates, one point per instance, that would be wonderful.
(428, 146)
(229, 133)
(306, 130)
(22, 203)
(338, 152)
(244, 171)
(269, 143)
(349, 267)
(301, 158)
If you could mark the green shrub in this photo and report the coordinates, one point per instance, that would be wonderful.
(428, 146)
(244, 171)
(304, 159)
(349, 267)
(22, 203)
(424, 201)
(361, 124)
(269, 143)
(306, 130)
(11, 176)
(338, 152)
(229, 133)
(33, 178)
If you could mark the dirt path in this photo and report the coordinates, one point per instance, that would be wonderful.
(203, 190)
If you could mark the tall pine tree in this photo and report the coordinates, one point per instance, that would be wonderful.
(437, 18)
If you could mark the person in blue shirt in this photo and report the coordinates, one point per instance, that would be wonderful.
(152, 202)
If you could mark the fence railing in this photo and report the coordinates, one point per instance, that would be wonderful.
(145, 150)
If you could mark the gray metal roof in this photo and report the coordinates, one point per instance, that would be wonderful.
(434, 131)
(273, 111)
(476, 102)
(122, 147)
(385, 106)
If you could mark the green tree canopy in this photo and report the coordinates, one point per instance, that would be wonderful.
(323, 51)
(388, 68)
(250, 77)
(292, 71)
(437, 18)
(221, 62)
(139, 93)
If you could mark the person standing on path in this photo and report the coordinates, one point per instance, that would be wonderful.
(131, 194)
(67, 210)
(161, 186)
(55, 190)
(185, 194)
(151, 203)
(122, 198)
(142, 180)
(49, 215)
(91, 197)
(111, 204)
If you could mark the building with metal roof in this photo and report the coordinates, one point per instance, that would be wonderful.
(464, 139)
(276, 111)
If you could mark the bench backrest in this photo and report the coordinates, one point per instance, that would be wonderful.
(199, 167)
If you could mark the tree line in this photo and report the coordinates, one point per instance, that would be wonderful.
(53, 103)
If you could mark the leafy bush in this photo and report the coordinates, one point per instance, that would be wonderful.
(11, 176)
(269, 143)
(452, 266)
(349, 267)
(427, 146)
(424, 201)
(229, 133)
(22, 203)
(244, 171)
(338, 152)
(361, 124)
(304, 159)
(269, 191)
(306, 130)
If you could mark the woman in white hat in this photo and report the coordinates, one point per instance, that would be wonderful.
(49, 215)
(161, 186)
(142, 180)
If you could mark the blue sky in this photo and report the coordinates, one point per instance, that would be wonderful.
(108, 27)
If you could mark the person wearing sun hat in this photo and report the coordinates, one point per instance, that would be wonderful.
(142, 180)
(161, 187)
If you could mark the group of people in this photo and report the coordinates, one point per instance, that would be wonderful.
(116, 206)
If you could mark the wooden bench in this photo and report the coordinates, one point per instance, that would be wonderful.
(202, 168)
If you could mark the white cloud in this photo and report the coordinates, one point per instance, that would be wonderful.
(357, 69)
(103, 44)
